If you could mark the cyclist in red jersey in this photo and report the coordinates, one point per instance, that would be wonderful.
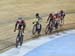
(56, 20)
(20, 24)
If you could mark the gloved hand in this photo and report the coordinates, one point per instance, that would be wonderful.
(14, 30)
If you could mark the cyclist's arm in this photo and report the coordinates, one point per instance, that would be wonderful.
(48, 18)
(15, 26)
(64, 13)
(40, 26)
(24, 25)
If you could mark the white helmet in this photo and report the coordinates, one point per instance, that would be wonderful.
(20, 18)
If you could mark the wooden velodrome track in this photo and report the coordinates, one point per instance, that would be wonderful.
(11, 9)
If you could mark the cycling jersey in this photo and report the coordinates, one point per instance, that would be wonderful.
(20, 24)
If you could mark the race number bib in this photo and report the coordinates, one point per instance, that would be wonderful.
(38, 26)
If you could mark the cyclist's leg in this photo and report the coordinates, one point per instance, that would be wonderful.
(21, 37)
(18, 36)
(51, 29)
(39, 30)
(61, 21)
(51, 26)
(47, 29)
(56, 27)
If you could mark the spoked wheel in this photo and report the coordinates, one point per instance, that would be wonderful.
(33, 30)
(17, 42)
(46, 30)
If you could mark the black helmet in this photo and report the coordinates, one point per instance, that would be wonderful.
(61, 11)
(50, 14)
(37, 14)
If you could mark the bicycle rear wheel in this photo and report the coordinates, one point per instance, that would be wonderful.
(17, 41)
(33, 30)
